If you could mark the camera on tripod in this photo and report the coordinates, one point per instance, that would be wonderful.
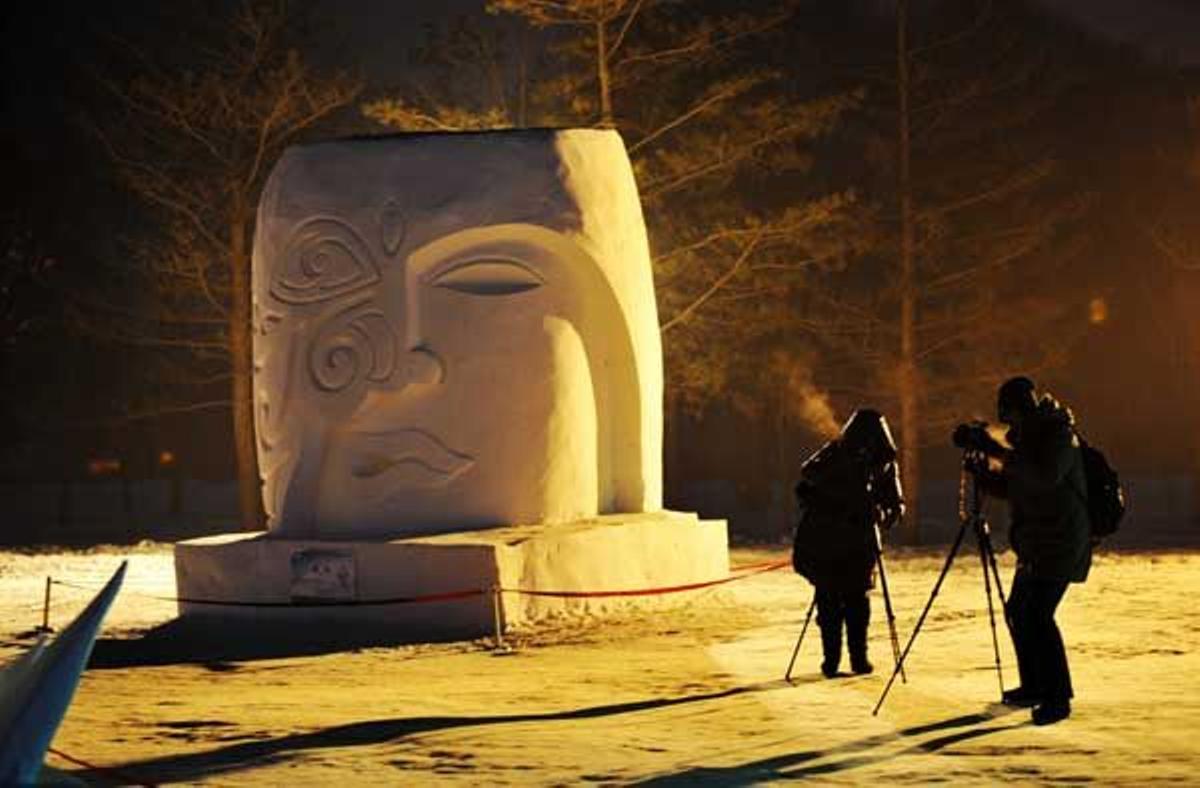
(975, 436)
(978, 445)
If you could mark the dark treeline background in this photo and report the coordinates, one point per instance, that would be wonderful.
(895, 204)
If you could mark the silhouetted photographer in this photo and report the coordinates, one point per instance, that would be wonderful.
(847, 490)
(1043, 478)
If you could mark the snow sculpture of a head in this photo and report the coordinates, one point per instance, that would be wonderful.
(454, 331)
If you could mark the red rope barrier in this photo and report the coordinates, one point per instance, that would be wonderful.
(736, 573)
(401, 600)
(759, 565)
(754, 569)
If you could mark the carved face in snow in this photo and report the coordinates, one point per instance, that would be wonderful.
(454, 331)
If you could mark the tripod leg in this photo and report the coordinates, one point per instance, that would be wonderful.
(991, 555)
(807, 618)
(917, 629)
(887, 604)
(984, 552)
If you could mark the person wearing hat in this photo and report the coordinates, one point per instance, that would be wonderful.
(846, 488)
(1042, 477)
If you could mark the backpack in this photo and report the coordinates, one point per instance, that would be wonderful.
(1105, 496)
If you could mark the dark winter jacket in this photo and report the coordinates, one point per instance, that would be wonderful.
(841, 498)
(1044, 483)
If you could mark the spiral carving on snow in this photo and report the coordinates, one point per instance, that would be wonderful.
(325, 259)
(355, 346)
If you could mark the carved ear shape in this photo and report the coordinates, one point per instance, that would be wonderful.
(325, 259)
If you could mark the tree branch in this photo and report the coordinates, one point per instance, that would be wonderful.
(720, 282)
(695, 110)
(975, 26)
(637, 6)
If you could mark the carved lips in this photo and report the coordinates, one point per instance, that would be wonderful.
(412, 455)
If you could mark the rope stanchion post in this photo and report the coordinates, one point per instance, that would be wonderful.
(497, 624)
(46, 607)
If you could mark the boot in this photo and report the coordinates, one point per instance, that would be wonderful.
(1021, 697)
(858, 615)
(1051, 712)
(833, 658)
(829, 619)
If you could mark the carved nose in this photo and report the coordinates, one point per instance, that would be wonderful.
(422, 365)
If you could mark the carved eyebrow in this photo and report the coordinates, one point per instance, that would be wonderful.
(487, 275)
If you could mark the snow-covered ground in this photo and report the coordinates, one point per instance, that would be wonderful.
(689, 696)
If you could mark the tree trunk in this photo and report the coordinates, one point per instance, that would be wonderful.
(671, 454)
(523, 78)
(782, 477)
(175, 502)
(66, 508)
(1195, 514)
(910, 453)
(127, 506)
(606, 116)
(907, 378)
(241, 363)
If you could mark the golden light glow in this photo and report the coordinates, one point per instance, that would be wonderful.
(166, 457)
(1098, 311)
(103, 466)
(999, 433)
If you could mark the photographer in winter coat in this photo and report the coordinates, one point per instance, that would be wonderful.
(1042, 478)
(846, 488)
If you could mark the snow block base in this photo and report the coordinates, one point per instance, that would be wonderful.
(253, 576)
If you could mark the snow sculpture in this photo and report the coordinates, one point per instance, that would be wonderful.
(454, 331)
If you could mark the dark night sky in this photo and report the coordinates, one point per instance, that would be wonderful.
(373, 34)
(374, 29)
(1163, 27)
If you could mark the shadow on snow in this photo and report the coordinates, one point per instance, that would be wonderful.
(262, 752)
(791, 766)
(217, 644)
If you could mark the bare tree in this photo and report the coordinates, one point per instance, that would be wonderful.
(195, 141)
(1172, 237)
(464, 77)
(956, 292)
(1166, 215)
(709, 129)
(24, 266)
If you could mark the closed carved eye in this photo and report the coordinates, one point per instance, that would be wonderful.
(488, 277)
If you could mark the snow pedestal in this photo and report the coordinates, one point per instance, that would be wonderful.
(258, 577)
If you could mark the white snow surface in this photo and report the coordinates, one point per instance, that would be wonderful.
(691, 696)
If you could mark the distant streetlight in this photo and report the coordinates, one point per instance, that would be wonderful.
(103, 466)
(1098, 311)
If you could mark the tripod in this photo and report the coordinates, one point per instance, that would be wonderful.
(887, 604)
(887, 600)
(969, 517)
(807, 618)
